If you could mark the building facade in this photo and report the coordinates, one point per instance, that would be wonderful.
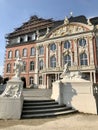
(46, 45)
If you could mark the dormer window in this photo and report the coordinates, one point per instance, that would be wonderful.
(34, 36)
(18, 40)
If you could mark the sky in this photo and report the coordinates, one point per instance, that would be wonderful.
(15, 12)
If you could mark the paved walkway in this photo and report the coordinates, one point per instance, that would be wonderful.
(69, 122)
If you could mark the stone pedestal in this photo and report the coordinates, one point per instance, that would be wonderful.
(11, 101)
(77, 93)
(10, 108)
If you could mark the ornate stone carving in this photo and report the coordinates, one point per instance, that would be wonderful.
(66, 21)
(14, 87)
(68, 29)
(70, 75)
(13, 91)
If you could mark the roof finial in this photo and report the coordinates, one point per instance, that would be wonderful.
(66, 21)
(89, 22)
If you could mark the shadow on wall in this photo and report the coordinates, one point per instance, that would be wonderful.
(68, 93)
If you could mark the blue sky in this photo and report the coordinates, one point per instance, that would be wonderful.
(14, 12)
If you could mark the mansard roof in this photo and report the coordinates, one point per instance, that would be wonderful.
(36, 23)
(33, 24)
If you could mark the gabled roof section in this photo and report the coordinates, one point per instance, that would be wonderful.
(33, 24)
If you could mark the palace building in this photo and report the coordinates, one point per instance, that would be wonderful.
(45, 45)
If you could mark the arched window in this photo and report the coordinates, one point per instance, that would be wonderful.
(40, 80)
(67, 44)
(53, 47)
(9, 54)
(41, 50)
(31, 80)
(8, 68)
(24, 53)
(16, 53)
(41, 65)
(32, 51)
(67, 59)
(24, 67)
(32, 66)
(53, 62)
(83, 59)
(82, 42)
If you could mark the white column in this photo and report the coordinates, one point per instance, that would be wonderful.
(59, 54)
(58, 76)
(91, 51)
(75, 52)
(36, 68)
(47, 81)
(91, 77)
(47, 57)
(94, 77)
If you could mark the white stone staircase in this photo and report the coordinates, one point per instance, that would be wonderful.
(38, 104)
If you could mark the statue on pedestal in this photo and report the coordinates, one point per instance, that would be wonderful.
(14, 86)
(70, 75)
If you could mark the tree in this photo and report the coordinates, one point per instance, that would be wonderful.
(1, 79)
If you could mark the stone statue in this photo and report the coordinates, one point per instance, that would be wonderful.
(70, 75)
(14, 87)
(18, 67)
(65, 71)
(89, 22)
(66, 21)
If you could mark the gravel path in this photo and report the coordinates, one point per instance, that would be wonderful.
(69, 122)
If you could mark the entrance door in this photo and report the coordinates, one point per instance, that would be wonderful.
(52, 79)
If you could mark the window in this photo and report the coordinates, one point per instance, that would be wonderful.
(41, 65)
(32, 66)
(53, 62)
(34, 36)
(9, 54)
(8, 68)
(32, 51)
(67, 45)
(41, 50)
(53, 47)
(67, 59)
(40, 80)
(82, 42)
(83, 59)
(31, 80)
(16, 53)
(24, 67)
(24, 53)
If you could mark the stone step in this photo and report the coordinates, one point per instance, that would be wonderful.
(39, 103)
(37, 92)
(42, 107)
(36, 101)
(46, 110)
(51, 114)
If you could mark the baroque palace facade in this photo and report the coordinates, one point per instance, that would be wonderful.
(45, 45)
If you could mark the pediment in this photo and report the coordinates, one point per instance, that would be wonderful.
(72, 28)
